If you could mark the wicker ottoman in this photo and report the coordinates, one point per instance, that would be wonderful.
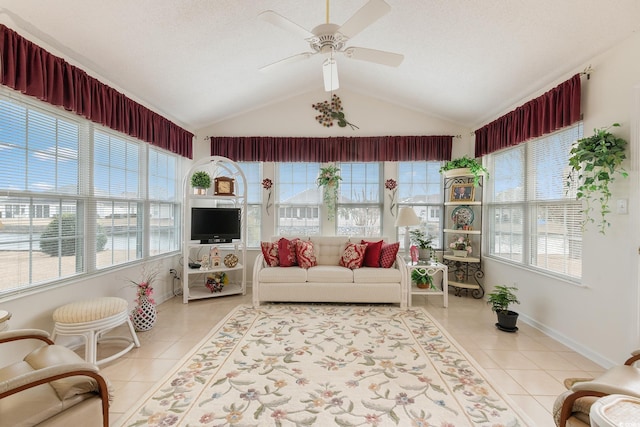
(91, 319)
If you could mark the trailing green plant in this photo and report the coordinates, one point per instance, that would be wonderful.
(595, 161)
(476, 168)
(420, 238)
(501, 297)
(200, 179)
(420, 277)
(329, 178)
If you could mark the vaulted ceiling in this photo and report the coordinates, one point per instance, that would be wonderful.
(197, 61)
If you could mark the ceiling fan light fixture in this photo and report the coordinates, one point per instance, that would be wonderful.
(330, 74)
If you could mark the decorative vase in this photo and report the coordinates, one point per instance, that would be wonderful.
(200, 191)
(424, 254)
(422, 285)
(458, 253)
(144, 315)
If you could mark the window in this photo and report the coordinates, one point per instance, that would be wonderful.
(359, 202)
(73, 198)
(253, 173)
(533, 221)
(420, 187)
(298, 199)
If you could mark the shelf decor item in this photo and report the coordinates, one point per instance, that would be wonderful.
(423, 241)
(223, 186)
(474, 167)
(144, 315)
(230, 260)
(329, 178)
(595, 161)
(200, 181)
(461, 246)
(462, 217)
(215, 282)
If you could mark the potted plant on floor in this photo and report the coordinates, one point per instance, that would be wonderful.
(500, 298)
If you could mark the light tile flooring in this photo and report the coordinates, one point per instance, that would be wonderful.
(528, 365)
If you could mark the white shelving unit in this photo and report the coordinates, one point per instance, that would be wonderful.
(194, 279)
(463, 218)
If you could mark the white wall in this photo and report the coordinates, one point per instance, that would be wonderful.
(599, 318)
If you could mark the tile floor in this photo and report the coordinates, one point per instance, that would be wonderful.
(528, 365)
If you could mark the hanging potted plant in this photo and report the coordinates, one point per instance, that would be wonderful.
(500, 299)
(200, 181)
(595, 161)
(463, 166)
(329, 179)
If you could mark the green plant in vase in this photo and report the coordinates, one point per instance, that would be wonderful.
(420, 277)
(200, 181)
(476, 168)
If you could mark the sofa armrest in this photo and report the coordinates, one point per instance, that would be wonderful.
(258, 265)
(25, 334)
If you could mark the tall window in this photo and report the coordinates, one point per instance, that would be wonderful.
(420, 187)
(73, 198)
(532, 219)
(299, 199)
(359, 201)
(253, 173)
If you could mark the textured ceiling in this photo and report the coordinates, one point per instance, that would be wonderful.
(197, 62)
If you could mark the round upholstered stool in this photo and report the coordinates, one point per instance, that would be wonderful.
(91, 319)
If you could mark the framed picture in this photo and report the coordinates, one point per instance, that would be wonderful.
(462, 193)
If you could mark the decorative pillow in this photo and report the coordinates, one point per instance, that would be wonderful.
(305, 254)
(372, 254)
(353, 255)
(388, 254)
(270, 252)
(287, 252)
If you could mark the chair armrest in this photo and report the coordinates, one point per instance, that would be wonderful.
(23, 334)
(401, 265)
(635, 356)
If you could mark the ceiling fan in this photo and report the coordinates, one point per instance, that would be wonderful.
(328, 39)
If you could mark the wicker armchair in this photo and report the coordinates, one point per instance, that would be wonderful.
(51, 386)
(572, 407)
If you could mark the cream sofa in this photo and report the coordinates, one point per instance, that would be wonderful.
(328, 281)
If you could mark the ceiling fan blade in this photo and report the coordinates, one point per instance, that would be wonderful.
(372, 55)
(280, 21)
(294, 58)
(365, 16)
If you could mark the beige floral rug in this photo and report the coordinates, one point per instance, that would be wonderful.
(326, 365)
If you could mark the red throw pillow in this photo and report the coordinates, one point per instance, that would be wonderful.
(353, 255)
(388, 254)
(287, 252)
(270, 252)
(372, 254)
(305, 254)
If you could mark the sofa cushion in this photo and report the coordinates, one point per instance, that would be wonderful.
(270, 253)
(305, 254)
(376, 275)
(329, 274)
(328, 249)
(388, 254)
(287, 252)
(372, 254)
(283, 275)
(353, 255)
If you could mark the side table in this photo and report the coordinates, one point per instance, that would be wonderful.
(431, 269)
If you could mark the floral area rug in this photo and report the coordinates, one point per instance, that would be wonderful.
(326, 365)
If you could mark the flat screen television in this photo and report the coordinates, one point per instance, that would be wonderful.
(215, 225)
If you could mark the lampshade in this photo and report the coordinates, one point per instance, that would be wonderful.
(330, 74)
(407, 217)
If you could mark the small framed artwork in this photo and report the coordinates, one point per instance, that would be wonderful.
(462, 193)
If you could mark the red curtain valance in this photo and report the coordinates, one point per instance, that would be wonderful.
(334, 149)
(32, 70)
(558, 108)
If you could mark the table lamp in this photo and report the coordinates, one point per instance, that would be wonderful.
(407, 218)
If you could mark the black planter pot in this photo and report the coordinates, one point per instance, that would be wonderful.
(507, 321)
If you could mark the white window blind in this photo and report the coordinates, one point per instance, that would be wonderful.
(359, 202)
(253, 173)
(298, 199)
(533, 219)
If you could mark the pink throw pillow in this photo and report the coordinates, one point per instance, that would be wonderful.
(372, 254)
(353, 255)
(388, 254)
(270, 252)
(305, 255)
(287, 252)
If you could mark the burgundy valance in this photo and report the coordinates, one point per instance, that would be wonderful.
(32, 70)
(334, 149)
(558, 108)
